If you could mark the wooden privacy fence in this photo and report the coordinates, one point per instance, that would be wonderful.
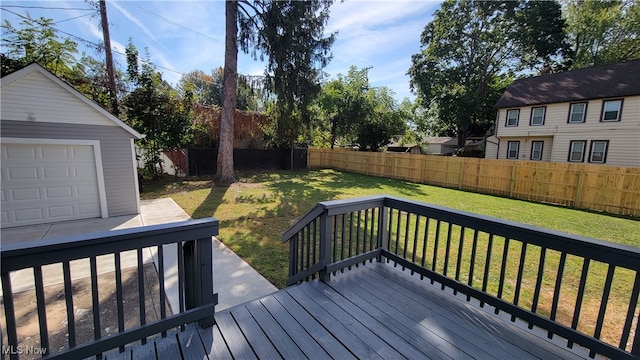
(611, 189)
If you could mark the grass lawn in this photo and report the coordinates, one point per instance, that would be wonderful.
(255, 211)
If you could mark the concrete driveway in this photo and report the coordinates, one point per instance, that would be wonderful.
(233, 279)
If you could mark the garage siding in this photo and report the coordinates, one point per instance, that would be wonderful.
(115, 145)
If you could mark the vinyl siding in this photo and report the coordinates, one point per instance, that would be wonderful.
(623, 135)
(524, 151)
(37, 95)
(115, 146)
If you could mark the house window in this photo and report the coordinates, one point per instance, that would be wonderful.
(611, 110)
(576, 151)
(577, 112)
(513, 148)
(537, 116)
(598, 153)
(512, 117)
(536, 150)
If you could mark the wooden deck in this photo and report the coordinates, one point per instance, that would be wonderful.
(369, 312)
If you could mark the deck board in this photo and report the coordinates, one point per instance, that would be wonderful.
(496, 332)
(374, 311)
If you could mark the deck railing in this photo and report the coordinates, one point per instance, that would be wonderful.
(581, 289)
(186, 272)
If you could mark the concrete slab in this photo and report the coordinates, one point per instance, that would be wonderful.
(234, 280)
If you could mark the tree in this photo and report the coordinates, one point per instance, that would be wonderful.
(603, 32)
(38, 41)
(343, 103)
(471, 46)
(224, 172)
(291, 35)
(383, 122)
(154, 109)
(208, 88)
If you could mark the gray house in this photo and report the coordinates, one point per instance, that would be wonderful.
(63, 156)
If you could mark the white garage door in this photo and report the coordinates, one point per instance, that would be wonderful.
(48, 183)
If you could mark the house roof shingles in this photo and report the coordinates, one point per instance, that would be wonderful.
(604, 81)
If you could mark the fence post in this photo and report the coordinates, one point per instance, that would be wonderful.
(512, 185)
(198, 268)
(461, 174)
(579, 188)
(383, 224)
(325, 246)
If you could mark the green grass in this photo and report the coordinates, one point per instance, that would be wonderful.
(255, 211)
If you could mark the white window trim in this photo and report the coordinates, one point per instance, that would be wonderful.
(604, 152)
(618, 116)
(571, 144)
(517, 118)
(584, 113)
(544, 113)
(97, 154)
(533, 143)
(509, 149)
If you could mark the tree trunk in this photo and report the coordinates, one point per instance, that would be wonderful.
(224, 172)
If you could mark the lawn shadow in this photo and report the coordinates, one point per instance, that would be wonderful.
(212, 202)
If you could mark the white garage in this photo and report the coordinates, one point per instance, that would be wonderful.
(62, 156)
(49, 182)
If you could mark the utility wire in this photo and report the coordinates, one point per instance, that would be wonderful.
(175, 23)
(45, 7)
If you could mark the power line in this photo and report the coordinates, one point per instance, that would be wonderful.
(45, 7)
(175, 23)
(96, 45)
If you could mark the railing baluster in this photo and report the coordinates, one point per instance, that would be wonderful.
(314, 252)
(383, 224)
(68, 297)
(516, 296)
(141, 301)
(308, 252)
(96, 302)
(578, 306)
(447, 251)
(397, 237)
(350, 236)
(162, 295)
(425, 241)
(415, 241)
(536, 293)
(119, 294)
(366, 229)
(42, 308)
(631, 310)
(181, 277)
(325, 246)
(10, 315)
(487, 266)
(335, 238)
(503, 269)
(293, 255)
(357, 248)
(389, 228)
(604, 301)
(460, 250)
(472, 261)
(556, 291)
(342, 237)
(435, 248)
(406, 236)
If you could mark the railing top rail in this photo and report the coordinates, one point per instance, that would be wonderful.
(27, 254)
(620, 254)
(333, 207)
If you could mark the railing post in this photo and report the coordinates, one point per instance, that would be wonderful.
(325, 246)
(198, 260)
(383, 224)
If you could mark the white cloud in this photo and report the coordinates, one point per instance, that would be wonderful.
(133, 19)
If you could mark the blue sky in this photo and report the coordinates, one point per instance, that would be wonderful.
(182, 36)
